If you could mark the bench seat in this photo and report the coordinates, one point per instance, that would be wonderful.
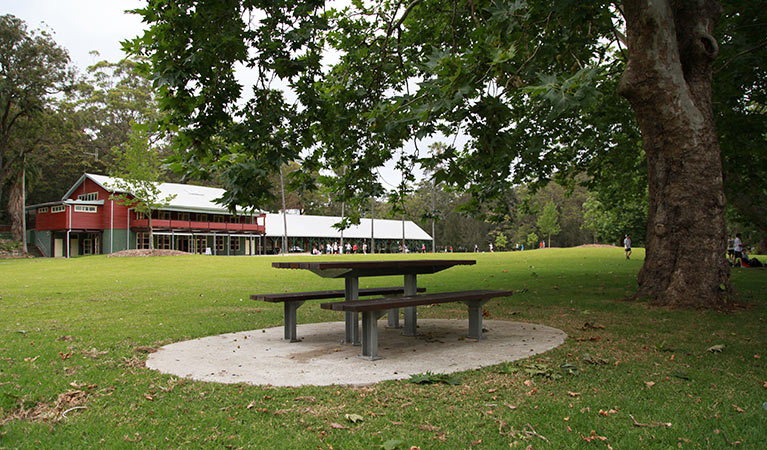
(373, 309)
(322, 295)
(293, 300)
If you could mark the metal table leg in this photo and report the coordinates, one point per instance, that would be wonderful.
(411, 314)
(351, 293)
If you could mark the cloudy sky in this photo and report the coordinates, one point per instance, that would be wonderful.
(82, 26)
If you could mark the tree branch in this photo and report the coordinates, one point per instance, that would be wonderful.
(744, 52)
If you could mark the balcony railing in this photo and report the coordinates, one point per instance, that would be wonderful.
(190, 225)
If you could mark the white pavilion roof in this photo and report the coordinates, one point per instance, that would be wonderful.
(322, 227)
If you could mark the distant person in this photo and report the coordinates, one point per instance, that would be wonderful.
(365, 249)
(521, 247)
(476, 248)
(354, 249)
(491, 248)
(423, 248)
(627, 246)
(737, 249)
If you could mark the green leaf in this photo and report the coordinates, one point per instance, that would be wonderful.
(391, 444)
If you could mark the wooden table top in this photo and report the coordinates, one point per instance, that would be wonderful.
(344, 269)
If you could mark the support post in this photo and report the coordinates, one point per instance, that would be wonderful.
(351, 293)
(370, 334)
(291, 319)
(475, 318)
(411, 320)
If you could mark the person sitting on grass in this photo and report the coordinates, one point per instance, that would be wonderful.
(745, 261)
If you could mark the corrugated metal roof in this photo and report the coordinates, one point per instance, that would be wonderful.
(188, 197)
(322, 227)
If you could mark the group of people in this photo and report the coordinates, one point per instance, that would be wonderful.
(739, 255)
(336, 249)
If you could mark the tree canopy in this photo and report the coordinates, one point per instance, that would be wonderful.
(32, 69)
(537, 88)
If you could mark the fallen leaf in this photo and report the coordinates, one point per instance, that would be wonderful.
(716, 348)
(756, 356)
(573, 394)
(593, 436)
(65, 356)
(592, 326)
(528, 383)
(338, 426)
(353, 418)
(510, 406)
(738, 408)
(148, 396)
(251, 404)
(649, 384)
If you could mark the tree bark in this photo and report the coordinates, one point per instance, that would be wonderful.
(668, 83)
(16, 208)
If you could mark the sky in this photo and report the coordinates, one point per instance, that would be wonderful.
(82, 26)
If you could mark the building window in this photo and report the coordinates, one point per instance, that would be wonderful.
(57, 209)
(235, 245)
(86, 208)
(220, 245)
(163, 242)
(219, 219)
(201, 217)
(163, 215)
(183, 216)
(142, 240)
(88, 197)
(42, 210)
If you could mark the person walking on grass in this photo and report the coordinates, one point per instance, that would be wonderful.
(627, 246)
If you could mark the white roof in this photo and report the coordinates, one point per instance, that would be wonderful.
(188, 197)
(322, 227)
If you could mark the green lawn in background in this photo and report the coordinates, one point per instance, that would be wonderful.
(75, 333)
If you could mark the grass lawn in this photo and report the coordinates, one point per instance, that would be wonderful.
(75, 334)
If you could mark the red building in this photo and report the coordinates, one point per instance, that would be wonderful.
(89, 220)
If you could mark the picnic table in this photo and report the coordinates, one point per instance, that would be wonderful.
(371, 310)
(351, 271)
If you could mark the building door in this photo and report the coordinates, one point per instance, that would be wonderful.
(182, 243)
(74, 246)
(87, 246)
(247, 246)
(58, 248)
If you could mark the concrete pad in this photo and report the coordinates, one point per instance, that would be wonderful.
(262, 357)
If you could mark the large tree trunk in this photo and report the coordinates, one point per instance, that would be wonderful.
(16, 209)
(668, 83)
